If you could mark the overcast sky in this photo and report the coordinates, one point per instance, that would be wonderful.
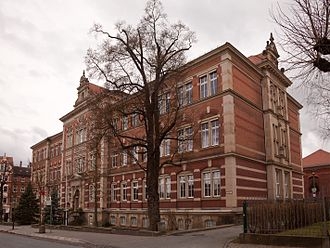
(43, 44)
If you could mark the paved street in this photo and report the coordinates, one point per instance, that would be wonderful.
(211, 239)
(216, 238)
(16, 241)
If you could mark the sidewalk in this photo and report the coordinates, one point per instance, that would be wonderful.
(34, 232)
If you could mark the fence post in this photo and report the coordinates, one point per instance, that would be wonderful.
(245, 224)
(324, 226)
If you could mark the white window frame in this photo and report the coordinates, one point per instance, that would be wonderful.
(208, 84)
(164, 187)
(210, 133)
(185, 139)
(186, 186)
(124, 190)
(211, 180)
(135, 191)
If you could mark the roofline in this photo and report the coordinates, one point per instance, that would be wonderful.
(47, 139)
(222, 49)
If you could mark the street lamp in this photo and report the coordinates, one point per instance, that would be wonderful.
(314, 189)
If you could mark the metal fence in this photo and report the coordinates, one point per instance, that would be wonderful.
(289, 217)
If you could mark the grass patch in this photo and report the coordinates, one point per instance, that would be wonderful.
(315, 230)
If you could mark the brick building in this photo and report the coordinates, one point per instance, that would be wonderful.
(15, 180)
(316, 167)
(46, 166)
(246, 144)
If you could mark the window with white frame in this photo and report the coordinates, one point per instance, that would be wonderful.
(185, 94)
(91, 193)
(124, 191)
(125, 123)
(278, 183)
(114, 192)
(213, 83)
(164, 103)
(92, 160)
(287, 184)
(211, 183)
(210, 138)
(135, 191)
(164, 187)
(80, 135)
(69, 138)
(80, 164)
(144, 191)
(185, 139)
(114, 160)
(124, 158)
(208, 85)
(135, 156)
(135, 120)
(186, 186)
(165, 147)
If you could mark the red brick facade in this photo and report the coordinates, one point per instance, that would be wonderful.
(246, 145)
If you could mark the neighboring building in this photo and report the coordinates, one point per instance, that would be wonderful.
(247, 146)
(20, 178)
(46, 166)
(6, 165)
(316, 168)
(15, 180)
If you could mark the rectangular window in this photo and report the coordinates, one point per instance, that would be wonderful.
(287, 185)
(91, 193)
(164, 103)
(124, 191)
(203, 86)
(216, 183)
(207, 184)
(69, 139)
(165, 148)
(144, 192)
(186, 186)
(92, 160)
(124, 158)
(185, 94)
(208, 85)
(210, 138)
(114, 192)
(135, 191)
(213, 83)
(114, 160)
(215, 132)
(190, 186)
(80, 164)
(182, 182)
(211, 183)
(164, 187)
(185, 139)
(125, 123)
(135, 120)
(205, 135)
(278, 182)
(135, 156)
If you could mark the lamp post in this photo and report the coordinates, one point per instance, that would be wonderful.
(314, 189)
(3, 180)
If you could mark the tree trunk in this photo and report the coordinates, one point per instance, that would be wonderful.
(153, 195)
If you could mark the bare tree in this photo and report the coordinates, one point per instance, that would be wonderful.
(304, 37)
(141, 63)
